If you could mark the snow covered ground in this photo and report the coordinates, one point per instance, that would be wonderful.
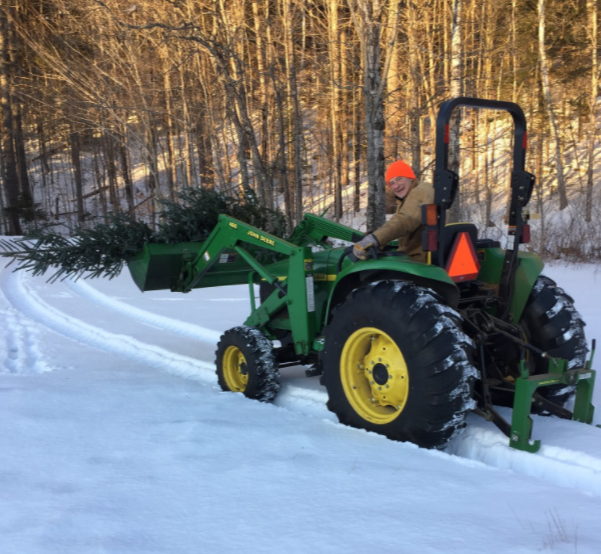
(114, 438)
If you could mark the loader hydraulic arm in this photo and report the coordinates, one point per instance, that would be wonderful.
(294, 292)
(229, 235)
(314, 230)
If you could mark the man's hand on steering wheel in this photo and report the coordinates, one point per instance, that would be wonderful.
(361, 248)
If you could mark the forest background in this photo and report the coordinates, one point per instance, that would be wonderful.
(111, 106)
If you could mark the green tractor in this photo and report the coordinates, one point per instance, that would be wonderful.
(404, 349)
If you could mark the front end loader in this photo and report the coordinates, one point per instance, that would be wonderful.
(404, 349)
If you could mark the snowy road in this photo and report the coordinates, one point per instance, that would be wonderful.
(114, 437)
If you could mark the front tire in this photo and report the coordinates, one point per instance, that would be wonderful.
(397, 363)
(246, 363)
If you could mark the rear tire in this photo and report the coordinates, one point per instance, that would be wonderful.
(413, 381)
(246, 363)
(551, 323)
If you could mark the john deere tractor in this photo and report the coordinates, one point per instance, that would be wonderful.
(404, 349)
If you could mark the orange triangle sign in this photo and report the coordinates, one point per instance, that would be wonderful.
(463, 264)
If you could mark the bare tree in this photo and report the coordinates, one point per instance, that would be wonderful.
(561, 187)
(10, 176)
(369, 19)
(456, 89)
(591, 7)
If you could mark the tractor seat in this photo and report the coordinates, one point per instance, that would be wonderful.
(488, 243)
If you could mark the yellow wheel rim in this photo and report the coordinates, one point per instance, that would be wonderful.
(374, 375)
(234, 369)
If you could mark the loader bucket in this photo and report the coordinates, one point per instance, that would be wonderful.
(157, 266)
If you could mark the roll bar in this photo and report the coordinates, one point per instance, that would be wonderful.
(446, 185)
(444, 116)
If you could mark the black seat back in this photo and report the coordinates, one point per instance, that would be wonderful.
(450, 233)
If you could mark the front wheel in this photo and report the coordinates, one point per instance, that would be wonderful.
(396, 362)
(246, 363)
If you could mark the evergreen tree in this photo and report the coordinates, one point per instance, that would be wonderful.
(103, 250)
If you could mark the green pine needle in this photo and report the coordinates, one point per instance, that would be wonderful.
(103, 250)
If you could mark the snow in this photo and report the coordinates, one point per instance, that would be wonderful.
(115, 438)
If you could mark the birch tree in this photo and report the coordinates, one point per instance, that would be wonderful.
(456, 89)
(369, 19)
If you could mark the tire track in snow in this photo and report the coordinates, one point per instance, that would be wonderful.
(29, 303)
(188, 330)
(291, 397)
(557, 465)
(561, 466)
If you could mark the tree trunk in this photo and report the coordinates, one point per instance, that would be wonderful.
(540, 188)
(99, 179)
(265, 196)
(488, 172)
(591, 7)
(344, 119)
(514, 55)
(152, 161)
(10, 175)
(456, 90)
(25, 185)
(172, 169)
(189, 154)
(205, 153)
(334, 52)
(282, 156)
(374, 130)
(76, 161)
(393, 106)
(357, 153)
(446, 58)
(109, 157)
(205, 129)
(368, 19)
(44, 167)
(129, 187)
(413, 94)
(4, 228)
(297, 137)
(563, 199)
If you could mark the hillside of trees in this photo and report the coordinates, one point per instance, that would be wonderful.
(111, 106)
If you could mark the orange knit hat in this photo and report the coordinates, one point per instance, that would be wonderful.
(399, 169)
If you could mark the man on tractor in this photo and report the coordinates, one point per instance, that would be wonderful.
(406, 224)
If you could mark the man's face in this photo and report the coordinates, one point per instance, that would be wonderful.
(401, 186)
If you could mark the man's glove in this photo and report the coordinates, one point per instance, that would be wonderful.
(360, 250)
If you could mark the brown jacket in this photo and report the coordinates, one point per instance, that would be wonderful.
(406, 224)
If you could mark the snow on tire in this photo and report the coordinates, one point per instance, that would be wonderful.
(396, 362)
(246, 363)
(551, 323)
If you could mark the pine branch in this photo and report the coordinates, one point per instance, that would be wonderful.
(103, 250)
(97, 252)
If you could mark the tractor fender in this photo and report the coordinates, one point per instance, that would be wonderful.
(392, 269)
(529, 268)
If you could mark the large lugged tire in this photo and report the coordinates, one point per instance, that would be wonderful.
(552, 324)
(246, 363)
(396, 362)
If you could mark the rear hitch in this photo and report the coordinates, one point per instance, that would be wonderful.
(525, 387)
(525, 395)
